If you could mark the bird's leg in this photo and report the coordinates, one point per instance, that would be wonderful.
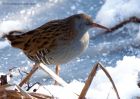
(57, 71)
(28, 76)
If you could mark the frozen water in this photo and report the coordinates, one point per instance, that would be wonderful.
(124, 74)
(108, 48)
(36, 13)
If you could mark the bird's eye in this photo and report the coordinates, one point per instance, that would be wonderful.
(78, 17)
(88, 23)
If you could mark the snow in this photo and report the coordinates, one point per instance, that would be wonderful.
(125, 75)
(114, 47)
(114, 11)
(3, 44)
(10, 25)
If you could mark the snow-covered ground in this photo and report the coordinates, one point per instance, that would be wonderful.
(119, 51)
(125, 75)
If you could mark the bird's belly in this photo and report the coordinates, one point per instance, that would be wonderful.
(63, 53)
(69, 52)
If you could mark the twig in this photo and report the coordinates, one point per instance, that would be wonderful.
(90, 78)
(110, 78)
(3, 80)
(88, 82)
(28, 82)
(133, 19)
(29, 87)
(35, 67)
(20, 73)
(12, 68)
(23, 92)
(41, 96)
(53, 75)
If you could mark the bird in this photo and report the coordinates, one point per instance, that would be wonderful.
(56, 42)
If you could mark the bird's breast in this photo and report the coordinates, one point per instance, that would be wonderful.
(84, 41)
(74, 49)
(81, 43)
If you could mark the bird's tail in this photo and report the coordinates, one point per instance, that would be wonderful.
(16, 32)
(15, 37)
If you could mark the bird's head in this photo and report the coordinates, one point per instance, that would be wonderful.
(84, 22)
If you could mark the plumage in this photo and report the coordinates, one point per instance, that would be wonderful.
(57, 41)
(45, 39)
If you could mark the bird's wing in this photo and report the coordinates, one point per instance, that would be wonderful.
(47, 36)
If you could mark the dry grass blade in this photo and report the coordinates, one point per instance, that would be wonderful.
(7, 93)
(41, 96)
(53, 75)
(23, 92)
(12, 94)
(110, 78)
(35, 67)
(88, 82)
(90, 78)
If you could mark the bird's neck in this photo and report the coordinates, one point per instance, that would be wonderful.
(80, 31)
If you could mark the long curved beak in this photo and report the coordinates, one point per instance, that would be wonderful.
(100, 26)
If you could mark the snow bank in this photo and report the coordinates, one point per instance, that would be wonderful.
(124, 74)
(7, 26)
(3, 44)
(114, 11)
(10, 25)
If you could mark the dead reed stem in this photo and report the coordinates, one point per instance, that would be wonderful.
(90, 78)
(35, 67)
